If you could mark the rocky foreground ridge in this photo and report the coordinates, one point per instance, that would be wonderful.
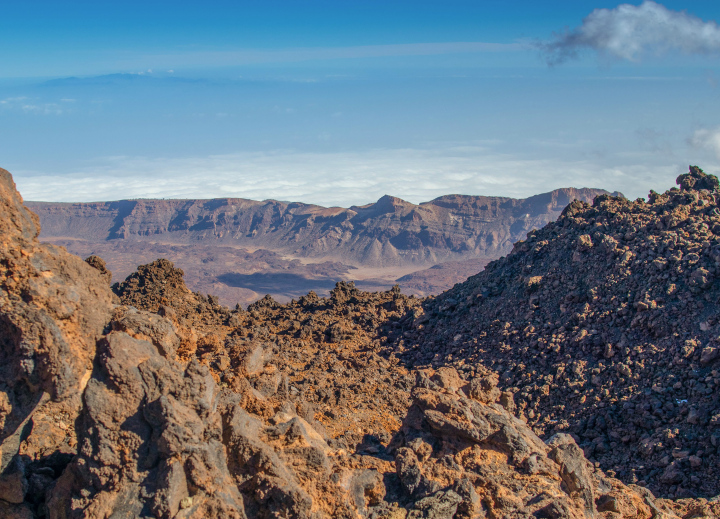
(154, 401)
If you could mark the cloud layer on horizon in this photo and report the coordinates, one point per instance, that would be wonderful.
(343, 179)
(629, 31)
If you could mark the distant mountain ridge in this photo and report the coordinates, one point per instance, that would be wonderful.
(389, 232)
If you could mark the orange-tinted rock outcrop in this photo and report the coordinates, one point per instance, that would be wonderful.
(176, 407)
(53, 309)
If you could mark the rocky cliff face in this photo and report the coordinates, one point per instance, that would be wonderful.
(178, 408)
(53, 308)
(389, 232)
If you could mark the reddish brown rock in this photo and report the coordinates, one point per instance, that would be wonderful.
(462, 458)
(53, 308)
(159, 284)
(604, 325)
(171, 406)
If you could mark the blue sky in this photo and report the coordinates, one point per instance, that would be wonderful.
(342, 102)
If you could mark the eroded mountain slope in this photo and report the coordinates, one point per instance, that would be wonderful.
(388, 232)
(605, 325)
(240, 250)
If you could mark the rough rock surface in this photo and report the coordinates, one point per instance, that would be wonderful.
(179, 409)
(53, 307)
(318, 353)
(604, 325)
(160, 284)
(463, 458)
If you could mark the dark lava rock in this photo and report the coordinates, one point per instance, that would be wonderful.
(604, 325)
(160, 284)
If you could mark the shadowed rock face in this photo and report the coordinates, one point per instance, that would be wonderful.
(390, 232)
(53, 307)
(178, 410)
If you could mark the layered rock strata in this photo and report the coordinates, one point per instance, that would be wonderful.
(390, 232)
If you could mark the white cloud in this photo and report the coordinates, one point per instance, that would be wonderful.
(11, 101)
(343, 179)
(628, 31)
(28, 106)
(707, 139)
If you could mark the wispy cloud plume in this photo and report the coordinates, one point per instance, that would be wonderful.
(707, 139)
(629, 31)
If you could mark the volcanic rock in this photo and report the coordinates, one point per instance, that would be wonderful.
(462, 458)
(98, 263)
(161, 285)
(604, 325)
(53, 307)
(171, 406)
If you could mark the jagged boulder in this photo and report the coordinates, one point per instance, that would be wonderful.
(697, 179)
(159, 285)
(459, 458)
(99, 264)
(151, 440)
(53, 308)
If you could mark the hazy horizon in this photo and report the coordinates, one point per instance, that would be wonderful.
(337, 105)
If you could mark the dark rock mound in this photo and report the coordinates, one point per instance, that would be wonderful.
(604, 325)
(697, 179)
(98, 263)
(160, 284)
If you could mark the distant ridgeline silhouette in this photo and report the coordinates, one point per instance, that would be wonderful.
(386, 233)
